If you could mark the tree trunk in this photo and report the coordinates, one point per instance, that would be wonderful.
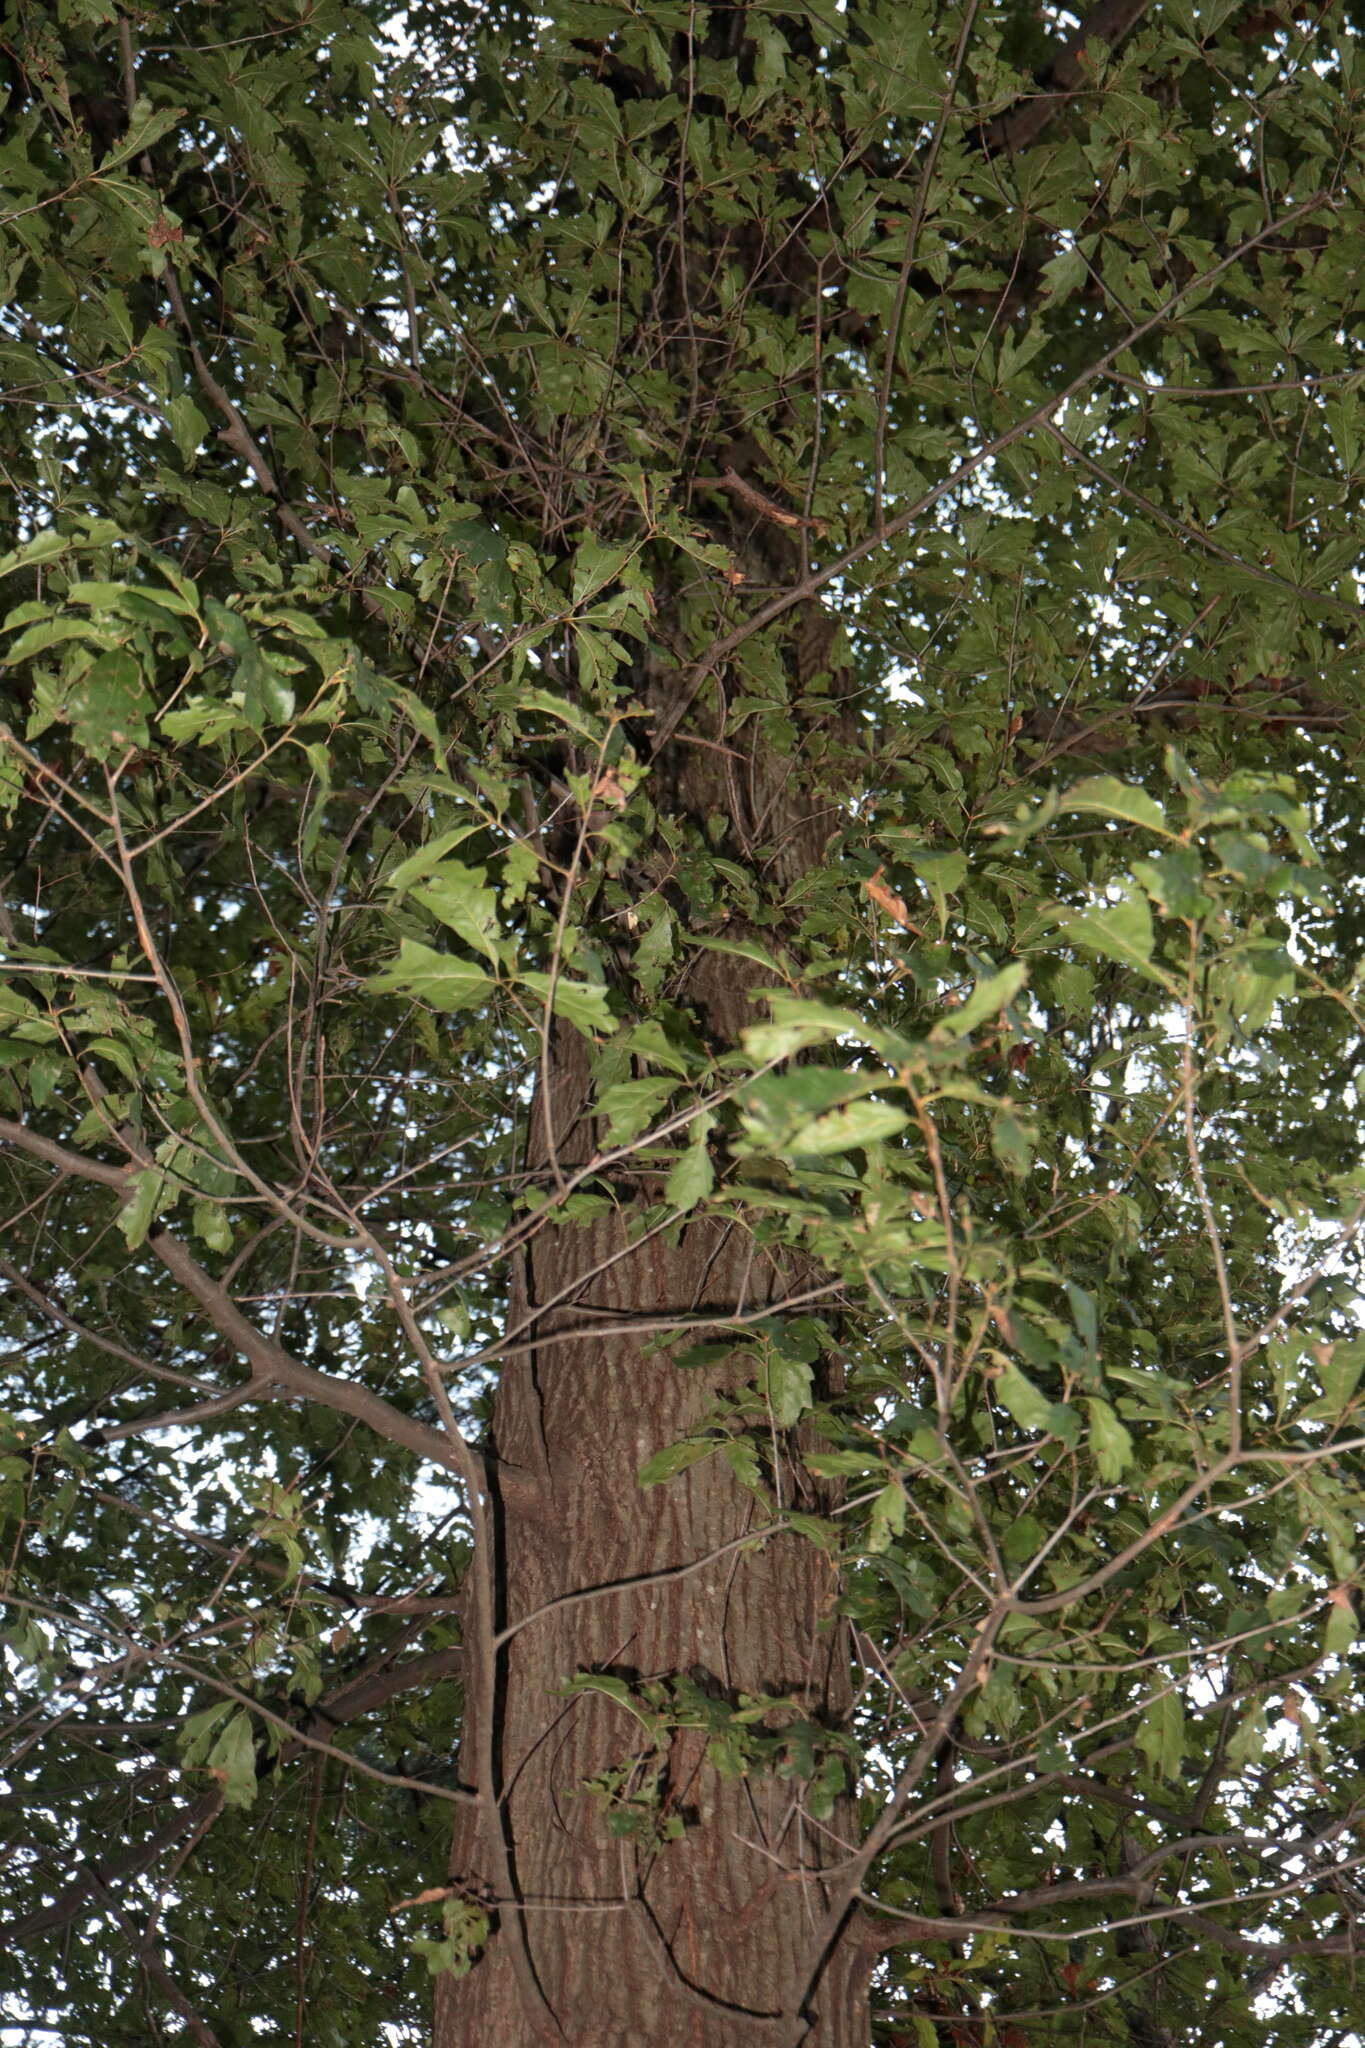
(713, 1933)
(710, 1935)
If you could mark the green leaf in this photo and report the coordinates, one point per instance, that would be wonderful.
(45, 546)
(149, 1188)
(839, 1130)
(606, 1683)
(561, 709)
(1339, 1367)
(436, 978)
(266, 693)
(267, 696)
(429, 857)
(195, 1736)
(988, 997)
(628, 1106)
(675, 1458)
(1122, 931)
(188, 425)
(108, 707)
(788, 1384)
(596, 565)
(797, 1023)
(1013, 1141)
(209, 1222)
(1247, 1743)
(147, 123)
(1030, 1408)
(943, 870)
(49, 632)
(461, 898)
(777, 1105)
(737, 949)
(1161, 1734)
(741, 1456)
(1342, 1628)
(654, 953)
(1111, 1443)
(455, 1953)
(1174, 881)
(230, 631)
(691, 1177)
(887, 1517)
(584, 1004)
(1106, 796)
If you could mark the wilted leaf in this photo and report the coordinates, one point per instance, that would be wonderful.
(232, 1760)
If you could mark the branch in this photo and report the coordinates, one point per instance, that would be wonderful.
(75, 1163)
(810, 586)
(92, 1875)
(874, 1935)
(335, 1590)
(90, 1884)
(146, 1367)
(373, 1689)
(1347, 1944)
(149, 1959)
(842, 1918)
(270, 1363)
(1066, 75)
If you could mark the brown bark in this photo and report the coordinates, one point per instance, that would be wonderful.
(705, 1940)
(716, 1937)
(1068, 73)
(713, 1938)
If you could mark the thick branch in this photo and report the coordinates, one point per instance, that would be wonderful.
(270, 1363)
(1065, 76)
(373, 1689)
(91, 1877)
(359, 1696)
(810, 586)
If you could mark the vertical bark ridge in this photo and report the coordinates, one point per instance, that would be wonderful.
(697, 1939)
(708, 1939)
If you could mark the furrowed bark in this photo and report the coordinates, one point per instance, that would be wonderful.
(711, 1938)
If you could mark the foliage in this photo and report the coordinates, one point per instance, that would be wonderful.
(383, 401)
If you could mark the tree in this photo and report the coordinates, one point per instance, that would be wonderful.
(680, 1023)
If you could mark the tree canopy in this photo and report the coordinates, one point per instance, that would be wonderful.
(671, 620)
